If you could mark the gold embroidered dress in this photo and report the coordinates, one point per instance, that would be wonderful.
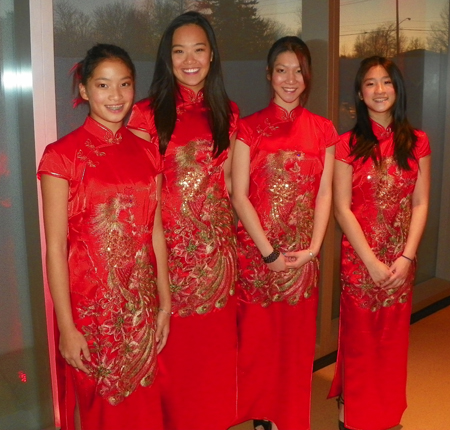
(112, 272)
(374, 321)
(277, 310)
(198, 365)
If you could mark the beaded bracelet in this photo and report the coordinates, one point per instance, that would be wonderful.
(163, 310)
(409, 259)
(311, 254)
(271, 257)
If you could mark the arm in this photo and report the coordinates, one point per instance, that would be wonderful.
(227, 164)
(245, 210)
(321, 215)
(420, 200)
(55, 194)
(162, 280)
(342, 188)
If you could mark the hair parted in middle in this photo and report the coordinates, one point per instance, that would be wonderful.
(164, 87)
(300, 49)
(363, 139)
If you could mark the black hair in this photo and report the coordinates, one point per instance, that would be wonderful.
(295, 45)
(84, 69)
(363, 140)
(164, 87)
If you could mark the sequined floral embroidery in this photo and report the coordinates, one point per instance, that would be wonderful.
(391, 191)
(201, 240)
(292, 181)
(121, 334)
(92, 149)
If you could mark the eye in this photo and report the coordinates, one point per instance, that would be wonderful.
(200, 50)
(127, 84)
(279, 70)
(177, 51)
(101, 85)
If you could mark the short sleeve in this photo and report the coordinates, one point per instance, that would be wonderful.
(330, 134)
(343, 149)
(55, 163)
(234, 118)
(244, 132)
(141, 117)
(422, 146)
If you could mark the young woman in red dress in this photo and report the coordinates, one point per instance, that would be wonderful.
(106, 262)
(189, 117)
(381, 192)
(281, 175)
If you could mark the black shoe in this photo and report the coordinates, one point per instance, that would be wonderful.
(266, 425)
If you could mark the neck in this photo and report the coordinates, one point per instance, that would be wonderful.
(384, 120)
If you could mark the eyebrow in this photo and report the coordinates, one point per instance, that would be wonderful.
(196, 44)
(108, 79)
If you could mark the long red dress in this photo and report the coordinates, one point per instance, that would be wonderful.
(198, 364)
(277, 311)
(112, 202)
(374, 322)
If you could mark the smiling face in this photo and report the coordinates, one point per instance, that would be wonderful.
(378, 93)
(287, 81)
(191, 56)
(110, 93)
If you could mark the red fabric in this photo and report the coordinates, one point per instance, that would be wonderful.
(112, 201)
(198, 371)
(199, 366)
(277, 312)
(374, 323)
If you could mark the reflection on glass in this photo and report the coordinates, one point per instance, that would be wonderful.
(415, 34)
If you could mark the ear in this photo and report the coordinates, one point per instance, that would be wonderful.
(83, 92)
(269, 78)
(212, 56)
(360, 95)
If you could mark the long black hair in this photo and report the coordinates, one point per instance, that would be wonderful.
(84, 69)
(164, 87)
(300, 49)
(363, 140)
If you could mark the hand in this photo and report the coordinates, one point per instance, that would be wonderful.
(379, 272)
(162, 329)
(296, 259)
(279, 265)
(399, 269)
(73, 347)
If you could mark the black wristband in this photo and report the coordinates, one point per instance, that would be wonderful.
(271, 257)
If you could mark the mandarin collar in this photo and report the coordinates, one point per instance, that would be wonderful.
(379, 131)
(186, 95)
(282, 114)
(101, 132)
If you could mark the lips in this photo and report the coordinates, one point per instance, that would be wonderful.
(190, 71)
(115, 108)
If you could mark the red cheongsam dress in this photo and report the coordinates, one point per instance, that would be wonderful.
(277, 311)
(112, 272)
(374, 321)
(198, 364)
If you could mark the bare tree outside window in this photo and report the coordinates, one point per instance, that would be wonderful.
(438, 39)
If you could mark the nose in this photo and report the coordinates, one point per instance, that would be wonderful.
(115, 93)
(379, 87)
(290, 77)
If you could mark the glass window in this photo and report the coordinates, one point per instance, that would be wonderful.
(138, 25)
(415, 34)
